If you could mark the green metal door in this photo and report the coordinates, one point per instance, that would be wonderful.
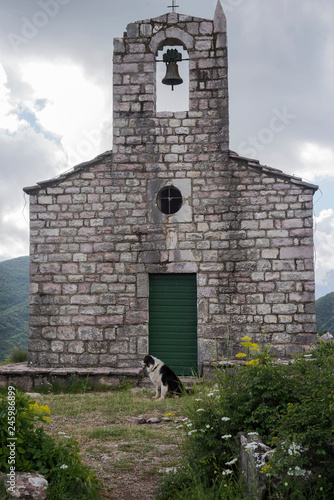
(173, 321)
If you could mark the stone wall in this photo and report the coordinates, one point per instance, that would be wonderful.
(93, 247)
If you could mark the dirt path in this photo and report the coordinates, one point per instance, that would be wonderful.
(129, 457)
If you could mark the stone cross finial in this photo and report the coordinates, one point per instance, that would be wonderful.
(219, 23)
(173, 6)
(219, 20)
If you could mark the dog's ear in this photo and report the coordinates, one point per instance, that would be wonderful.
(149, 360)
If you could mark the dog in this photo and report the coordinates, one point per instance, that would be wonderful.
(162, 377)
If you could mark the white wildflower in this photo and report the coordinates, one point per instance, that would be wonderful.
(297, 471)
(251, 446)
(225, 419)
(227, 436)
(227, 471)
(295, 449)
(231, 462)
(64, 466)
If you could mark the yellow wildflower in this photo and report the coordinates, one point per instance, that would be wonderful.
(254, 347)
(241, 355)
(253, 362)
(266, 469)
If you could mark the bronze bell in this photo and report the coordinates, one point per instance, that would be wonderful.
(172, 72)
(172, 75)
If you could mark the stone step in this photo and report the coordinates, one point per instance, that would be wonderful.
(30, 378)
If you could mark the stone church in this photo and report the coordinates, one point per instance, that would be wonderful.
(170, 243)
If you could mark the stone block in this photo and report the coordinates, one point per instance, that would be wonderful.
(88, 359)
(297, 252)
(68, 359)
(132, 30)
(89, 333)
(65, 333)
(284, 309)
(76, 347)
(26, 485)
(98, 347)
(253, 455)
(136, 317)
(107, 360)
(57, 346)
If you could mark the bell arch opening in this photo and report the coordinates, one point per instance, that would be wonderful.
(172, 66)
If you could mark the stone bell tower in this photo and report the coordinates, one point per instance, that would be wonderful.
(173, 143)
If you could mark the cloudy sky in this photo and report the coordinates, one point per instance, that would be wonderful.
(56, 95)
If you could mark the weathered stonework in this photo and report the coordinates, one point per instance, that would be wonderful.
(97, 234)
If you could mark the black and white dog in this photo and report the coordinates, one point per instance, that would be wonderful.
(162, 377)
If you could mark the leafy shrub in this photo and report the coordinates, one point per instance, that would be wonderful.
(36, 451)
(290, 406)
(185, 484)
(304, 429)
(18, 355)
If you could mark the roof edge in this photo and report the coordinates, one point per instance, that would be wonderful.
(61, 177)
(274, 172)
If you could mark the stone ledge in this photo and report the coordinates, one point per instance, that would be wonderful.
(209, 368)
(28, 377)
(25, 369)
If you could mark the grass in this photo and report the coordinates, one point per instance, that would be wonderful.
(118, 450)
(17, 355)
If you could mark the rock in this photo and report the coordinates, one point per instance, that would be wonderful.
(154, 420)
(169, 470)
(33, 395)
(26, 485)
(142, 420)
(253, 455)
(137, 420)
(328, 337)
(142, 373)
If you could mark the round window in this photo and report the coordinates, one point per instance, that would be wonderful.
(169, 200)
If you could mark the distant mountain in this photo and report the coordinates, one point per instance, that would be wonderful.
(14, 305)
(325, 313)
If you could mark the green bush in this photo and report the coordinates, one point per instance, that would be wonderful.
(18, 355)
(184, 484)
(290, 406)
(304, 428)
(36, 451)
